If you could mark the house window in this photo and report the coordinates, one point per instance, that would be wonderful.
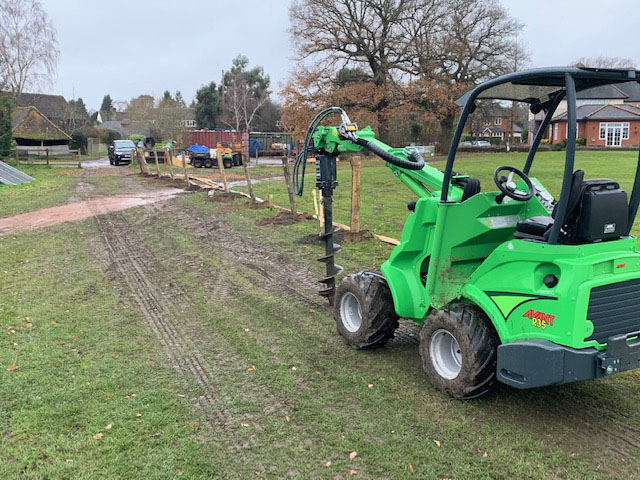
(603, 131)
(625, 131)
(486, 122)
(498, 120)
(555, 132)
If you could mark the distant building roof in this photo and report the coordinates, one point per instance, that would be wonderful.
(30, 123)
(632, 90)
(111, 125)
(604, 92)
(51, 106)
(610, 111)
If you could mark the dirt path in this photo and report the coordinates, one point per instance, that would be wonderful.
(73, 212)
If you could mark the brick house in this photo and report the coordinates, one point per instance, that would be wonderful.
(622, 101)
(496, 122)
(608, 125)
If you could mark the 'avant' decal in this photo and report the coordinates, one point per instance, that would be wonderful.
(508, 302)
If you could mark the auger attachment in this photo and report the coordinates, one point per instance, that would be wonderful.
(326, 182)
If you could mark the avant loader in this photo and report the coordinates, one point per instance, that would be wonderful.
(509, 285)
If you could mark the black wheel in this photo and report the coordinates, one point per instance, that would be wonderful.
(227, 162)
(237, 161)
(197, 163)
(363, 310)
(208, 163)
(458, 348)
(116, 162)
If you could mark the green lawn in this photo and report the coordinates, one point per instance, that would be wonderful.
(384, 198)
(52, 186)
(81, 403)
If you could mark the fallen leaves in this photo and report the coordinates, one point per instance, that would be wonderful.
(109, 427)
(353, 455)
(411, 467)
(98, 436)
(437, 442)
(252, 368)
(370, 385)
(294, 368)
(12, 368)
(287, 418)
(138, 415)
(328, 463)
(116, 356)
(353, 472)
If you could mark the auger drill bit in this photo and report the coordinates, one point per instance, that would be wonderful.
(326, 182)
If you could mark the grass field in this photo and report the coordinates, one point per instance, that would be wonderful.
(184, 340)
(384, 198)
(53, 186)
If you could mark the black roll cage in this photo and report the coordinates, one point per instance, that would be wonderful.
(569, 80)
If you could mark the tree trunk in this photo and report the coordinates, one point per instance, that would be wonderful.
(447, 125)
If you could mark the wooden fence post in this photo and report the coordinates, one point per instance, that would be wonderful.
(79, 161)
(155, 156)
(169, 157)
(221, 168)
(287, 180)
(46, 152)
(245, 161)
(184, 167)
(136, 150)
(356, 164)
(17, 157)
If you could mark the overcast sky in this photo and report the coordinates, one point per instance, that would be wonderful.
(128, 48)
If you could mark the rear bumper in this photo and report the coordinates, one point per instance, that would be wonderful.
(539, 363)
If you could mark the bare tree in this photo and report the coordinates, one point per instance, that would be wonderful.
(604, 62)
(28, 46)
(474, 40)
(244, 93)
(362, 33)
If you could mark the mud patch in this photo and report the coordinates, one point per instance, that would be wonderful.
(223, 197)
(285, 218)
(76, 211)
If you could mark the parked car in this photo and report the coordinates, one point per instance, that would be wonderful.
(120, 152)
(475, 144)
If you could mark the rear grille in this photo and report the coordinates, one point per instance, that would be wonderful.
(614, 309)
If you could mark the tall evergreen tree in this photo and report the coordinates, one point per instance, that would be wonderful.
(208, 105)
(6, 139)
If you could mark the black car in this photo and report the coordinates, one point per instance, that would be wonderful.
(120, 152)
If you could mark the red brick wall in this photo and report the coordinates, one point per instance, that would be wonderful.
(590, 129)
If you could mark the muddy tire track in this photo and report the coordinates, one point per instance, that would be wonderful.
(604, 428)
(180, 339)
(280, 271)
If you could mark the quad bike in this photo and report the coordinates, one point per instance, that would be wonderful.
(510, 285)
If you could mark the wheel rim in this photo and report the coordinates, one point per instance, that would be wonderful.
(445, 354)
(350, 312)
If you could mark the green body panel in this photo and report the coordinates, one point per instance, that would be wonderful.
(465, 251)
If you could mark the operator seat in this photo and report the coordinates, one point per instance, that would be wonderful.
(596, 210)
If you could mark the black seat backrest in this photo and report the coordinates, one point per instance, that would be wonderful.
(574, 194)
(470, 186)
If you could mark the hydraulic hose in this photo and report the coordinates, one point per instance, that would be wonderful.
(415, 162)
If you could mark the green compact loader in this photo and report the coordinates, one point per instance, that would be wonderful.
(513, 284)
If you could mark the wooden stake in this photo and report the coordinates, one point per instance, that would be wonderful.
(245, 167)
(356, 164)
(46, 152)
(287, 180)
(167, 155)
(79, 161)
(184, 167)
(17, 157)
(137, 154)
(155, 156)
(316, 208)
(270, 200)
(221, 168)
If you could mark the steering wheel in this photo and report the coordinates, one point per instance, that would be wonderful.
(508, 187)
